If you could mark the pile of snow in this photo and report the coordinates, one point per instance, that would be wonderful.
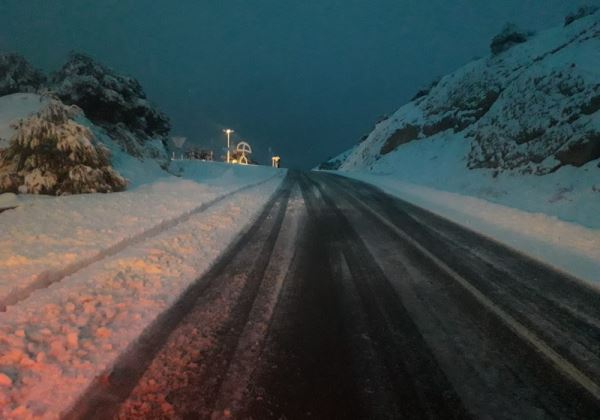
(114, 263)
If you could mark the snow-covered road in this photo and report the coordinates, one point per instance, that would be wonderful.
(339, 301)
(343, 302)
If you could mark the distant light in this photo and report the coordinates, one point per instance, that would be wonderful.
(228, 132)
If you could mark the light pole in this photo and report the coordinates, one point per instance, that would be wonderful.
(228, 131)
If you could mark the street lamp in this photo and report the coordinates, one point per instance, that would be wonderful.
(228, 131)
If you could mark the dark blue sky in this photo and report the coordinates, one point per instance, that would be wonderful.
(307, 78)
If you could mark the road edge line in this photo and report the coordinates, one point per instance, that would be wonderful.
(564, 366)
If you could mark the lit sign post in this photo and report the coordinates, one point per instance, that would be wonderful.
(243, 148)
(228, 132)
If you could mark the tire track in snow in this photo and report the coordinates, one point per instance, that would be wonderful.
(47, 278)
(247, 353)
(103, 397)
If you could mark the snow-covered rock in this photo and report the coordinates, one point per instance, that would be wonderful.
(531, 108)
(17, 75)
(113, 101)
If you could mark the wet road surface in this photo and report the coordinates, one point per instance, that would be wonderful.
(342, 302)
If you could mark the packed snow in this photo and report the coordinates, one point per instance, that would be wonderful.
(82, 276)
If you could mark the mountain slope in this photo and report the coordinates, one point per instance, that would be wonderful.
(520, 127)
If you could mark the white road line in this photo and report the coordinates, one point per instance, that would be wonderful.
(563, 365)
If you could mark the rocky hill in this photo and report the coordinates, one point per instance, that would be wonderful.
(531, 107)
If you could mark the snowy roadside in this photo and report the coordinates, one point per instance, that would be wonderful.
(55, 342)
(47, 238)
(569, 247)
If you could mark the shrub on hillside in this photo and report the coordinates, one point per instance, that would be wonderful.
(510, 36)
(17, 75)
(582, 12)
(331, 165)
(52, 154)
(114, 101)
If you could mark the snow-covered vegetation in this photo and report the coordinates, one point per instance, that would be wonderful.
(113, 101)
(17, 75)
(583, 11)
(520, 128)
(55, 151)
(510, 36)
(52, 154)
(13, 109)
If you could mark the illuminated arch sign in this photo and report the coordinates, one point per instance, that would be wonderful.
(243, 149)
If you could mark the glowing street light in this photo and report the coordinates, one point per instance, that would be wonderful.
(228, 131)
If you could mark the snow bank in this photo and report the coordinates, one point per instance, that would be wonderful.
(569, 247)
(570, 194)
(217, 173)
(46, 238)
(57, 341)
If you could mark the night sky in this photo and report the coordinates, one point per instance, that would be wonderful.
(307, 78)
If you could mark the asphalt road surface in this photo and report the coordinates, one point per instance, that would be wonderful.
(342, 302)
